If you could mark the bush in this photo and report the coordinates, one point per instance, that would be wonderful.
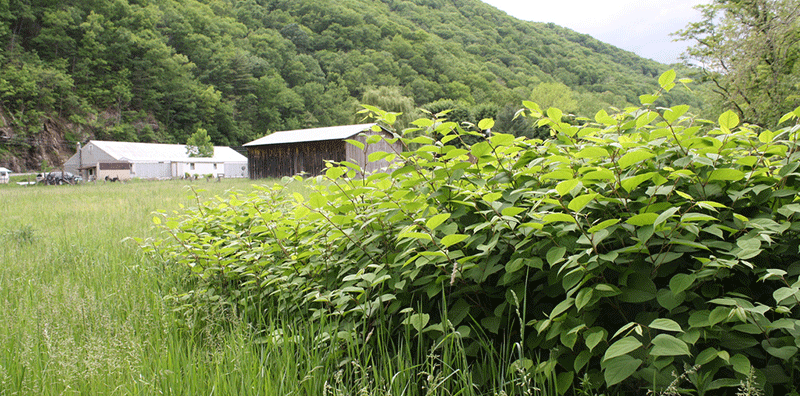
(628, 248)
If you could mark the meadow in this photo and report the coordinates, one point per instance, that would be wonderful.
(83, 311)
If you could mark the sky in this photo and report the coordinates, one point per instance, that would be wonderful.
(639, 26)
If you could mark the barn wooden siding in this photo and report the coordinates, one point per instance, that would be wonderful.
(289, 159)
(357, 156)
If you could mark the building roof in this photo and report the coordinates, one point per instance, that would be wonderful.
(149, 152)
(5, 170)
(312, 135)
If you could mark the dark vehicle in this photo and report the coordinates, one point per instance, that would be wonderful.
(57, 178)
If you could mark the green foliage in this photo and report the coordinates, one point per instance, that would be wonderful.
(623, 249)
(244, 68)
(199, 144)
(749, 50)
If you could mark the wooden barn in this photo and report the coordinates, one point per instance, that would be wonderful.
(289, 153)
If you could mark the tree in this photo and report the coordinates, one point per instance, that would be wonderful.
(554, 94)
(199, 144)
(749, 50)
(392, 99)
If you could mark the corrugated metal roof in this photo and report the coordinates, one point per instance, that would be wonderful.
(312, 135)
(5, 170)
(155, 152)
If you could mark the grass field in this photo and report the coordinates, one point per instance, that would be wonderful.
(83, 311)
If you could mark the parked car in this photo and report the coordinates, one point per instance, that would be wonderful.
(57, 178)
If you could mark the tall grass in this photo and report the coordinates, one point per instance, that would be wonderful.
(82, 311)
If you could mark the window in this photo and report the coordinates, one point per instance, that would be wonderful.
(191, 166)
(215, 166)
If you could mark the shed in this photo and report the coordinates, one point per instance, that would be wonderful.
(305, 151)
(124, 160)
(5, 175)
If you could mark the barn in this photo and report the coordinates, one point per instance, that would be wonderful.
(304, 151)
(124, 160)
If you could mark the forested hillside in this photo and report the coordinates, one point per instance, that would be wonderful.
(157, 70)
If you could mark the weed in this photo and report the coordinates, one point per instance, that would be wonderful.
(24, 235)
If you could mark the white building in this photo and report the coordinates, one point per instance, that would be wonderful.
(123, 160)
(5, 175)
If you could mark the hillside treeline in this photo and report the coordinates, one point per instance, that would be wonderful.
(157, 70)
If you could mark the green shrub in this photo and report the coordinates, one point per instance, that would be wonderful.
(625, 249)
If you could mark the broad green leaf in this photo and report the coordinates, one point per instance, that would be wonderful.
(486, 123)
(675, 112)
(634, 157)
(740, 363)
(437, 220)
(418, 321)
(665, 215)
(726, 174)
(414, 235)
(555, 114)
(640, 289)
(643, 219)
(591, 152)
(451, 240)
(480, 149)
(684, 195)
(619, 369)
(583, 298)
(707, 356)
(622, 347)
(156, 220)
(632, 182)
(558, 217)
(564, 187)
(602, 117)
(555, 254)
(564, 381)
(681, 282)
(599, 174)
(317, 200)
(646, 118)
(718, 314)
(647, 99)
(687, 217)
(728, 120)
(784, 293)
(515, 265)
(668, 300)
(491, 197)
(784, 353)
(667, 345)
(501, 139)
(594, 336)
(665, 324)
(356, 143)
(562, 307)
(581, 360)
(334, 172)
(512, 211)
(580, 202)
(603, 225)
(668, 77)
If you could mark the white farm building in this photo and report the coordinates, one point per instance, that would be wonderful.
(100, 159)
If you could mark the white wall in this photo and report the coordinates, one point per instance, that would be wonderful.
(200, 168)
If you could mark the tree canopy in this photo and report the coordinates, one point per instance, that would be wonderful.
(750, 51)
(156, 70)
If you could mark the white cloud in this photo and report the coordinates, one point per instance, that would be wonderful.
(640, 26)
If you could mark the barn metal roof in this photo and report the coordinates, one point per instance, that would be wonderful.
(5, 170)
(311, 135)
(156, 152)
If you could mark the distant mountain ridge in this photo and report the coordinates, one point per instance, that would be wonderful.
(157, 70)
